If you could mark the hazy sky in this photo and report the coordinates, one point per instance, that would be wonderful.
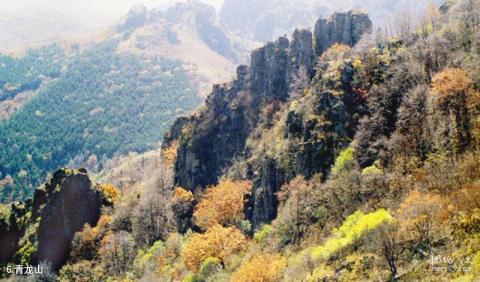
(85, 7)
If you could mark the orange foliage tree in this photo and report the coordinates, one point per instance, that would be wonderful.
(422, 214)
(222, 204)
(182, 194)
(170, 154)
(450, 82)
(261, 268)
(110, 192)
(453, 89)
(182, 206)
(218, 242)
(86, 244)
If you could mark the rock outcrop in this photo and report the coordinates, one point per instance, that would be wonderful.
(213, 139)
(59, 209)
(342, 28)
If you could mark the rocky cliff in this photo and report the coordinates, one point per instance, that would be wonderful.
(216, 137)
(42, 229)
(343, 28)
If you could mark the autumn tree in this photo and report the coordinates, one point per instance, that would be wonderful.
(218, 242)
(170, 154)
(261, 268)
(118, 252)
(468, 22)
(86, 244)
(222, 204)
(421, 215)
(297, 209)
(183, 204)
(152, 219)
(110, 193)
(451, 89)
(390, 247)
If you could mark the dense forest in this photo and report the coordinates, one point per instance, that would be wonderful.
(18, 74)
(339, 154)
(100, 104)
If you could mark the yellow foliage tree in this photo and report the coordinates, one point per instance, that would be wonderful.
(222, 204)
(182, 194)
(261, 268)
(218, 242)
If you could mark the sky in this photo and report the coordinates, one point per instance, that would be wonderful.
(110, 8)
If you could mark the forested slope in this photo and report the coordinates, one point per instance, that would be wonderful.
(101, 104)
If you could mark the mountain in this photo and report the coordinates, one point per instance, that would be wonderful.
(265, 20)
(86, 101)
(182, 32)
(233, 111)
(334, 155)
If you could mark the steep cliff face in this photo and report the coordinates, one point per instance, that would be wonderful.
(61, 207)
(210, 141)
(216, 137)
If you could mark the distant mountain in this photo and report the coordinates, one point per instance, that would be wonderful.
(264, 20)
(189, 32)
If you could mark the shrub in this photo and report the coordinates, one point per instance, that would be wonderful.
(218, 242)
(210, 266)
(86, 244)
(353, 228)
(81, 271)
(372, 170)
(262, 234)
(262, 267)
(192, 278)
(222, 204)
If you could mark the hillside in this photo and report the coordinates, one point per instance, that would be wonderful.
(82, 102)
(335, 155)
(101, 104)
